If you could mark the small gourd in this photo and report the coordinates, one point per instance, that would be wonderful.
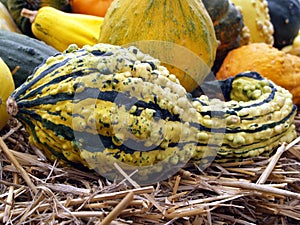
(272, 63)
(7, 87)
(60, 29)
(168, 30)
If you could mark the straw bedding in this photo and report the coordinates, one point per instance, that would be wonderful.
(255, 191)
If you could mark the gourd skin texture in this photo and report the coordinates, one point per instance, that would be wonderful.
(283, 69)
(229, 28)
(285, 17)
(182, 22)
(257, 18)
(60, 29)
(24, 52)
(104, 104)
(7, 87)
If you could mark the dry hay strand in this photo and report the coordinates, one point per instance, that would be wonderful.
(261, 190)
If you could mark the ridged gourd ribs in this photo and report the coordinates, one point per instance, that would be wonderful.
(104, 103)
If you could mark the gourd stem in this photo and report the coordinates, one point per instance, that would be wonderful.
(30, 14)
(11, 106)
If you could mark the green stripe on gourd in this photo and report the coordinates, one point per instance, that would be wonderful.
(103, 104)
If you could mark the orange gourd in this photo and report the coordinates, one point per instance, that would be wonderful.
(276, 65)
(90, 7)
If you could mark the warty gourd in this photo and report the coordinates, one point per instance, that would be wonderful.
(107, 104)
(257, 18)
(270, 62)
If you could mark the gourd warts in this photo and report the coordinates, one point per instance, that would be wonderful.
(140, 115)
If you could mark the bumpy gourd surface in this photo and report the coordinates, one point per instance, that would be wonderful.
(104, 104)
(257, 18)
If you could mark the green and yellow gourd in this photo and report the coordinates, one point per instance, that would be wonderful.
(105, 104)
(159, 28)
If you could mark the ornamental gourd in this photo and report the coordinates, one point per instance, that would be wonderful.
(171, 25)
(285, 17)
(257, 18)
(7, 87)
(59, 29)
(106, 104)
(229, 26)
(23, 55)
(272, 63)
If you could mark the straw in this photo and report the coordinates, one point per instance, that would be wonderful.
(259, 190)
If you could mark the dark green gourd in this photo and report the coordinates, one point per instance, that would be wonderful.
(22, 54)
(105, 104)
(229, 28)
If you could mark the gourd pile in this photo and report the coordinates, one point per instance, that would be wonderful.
(91, 90)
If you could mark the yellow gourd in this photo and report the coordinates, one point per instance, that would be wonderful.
(7, 87)
(60, 29)
(257, 19)
(180, 33)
